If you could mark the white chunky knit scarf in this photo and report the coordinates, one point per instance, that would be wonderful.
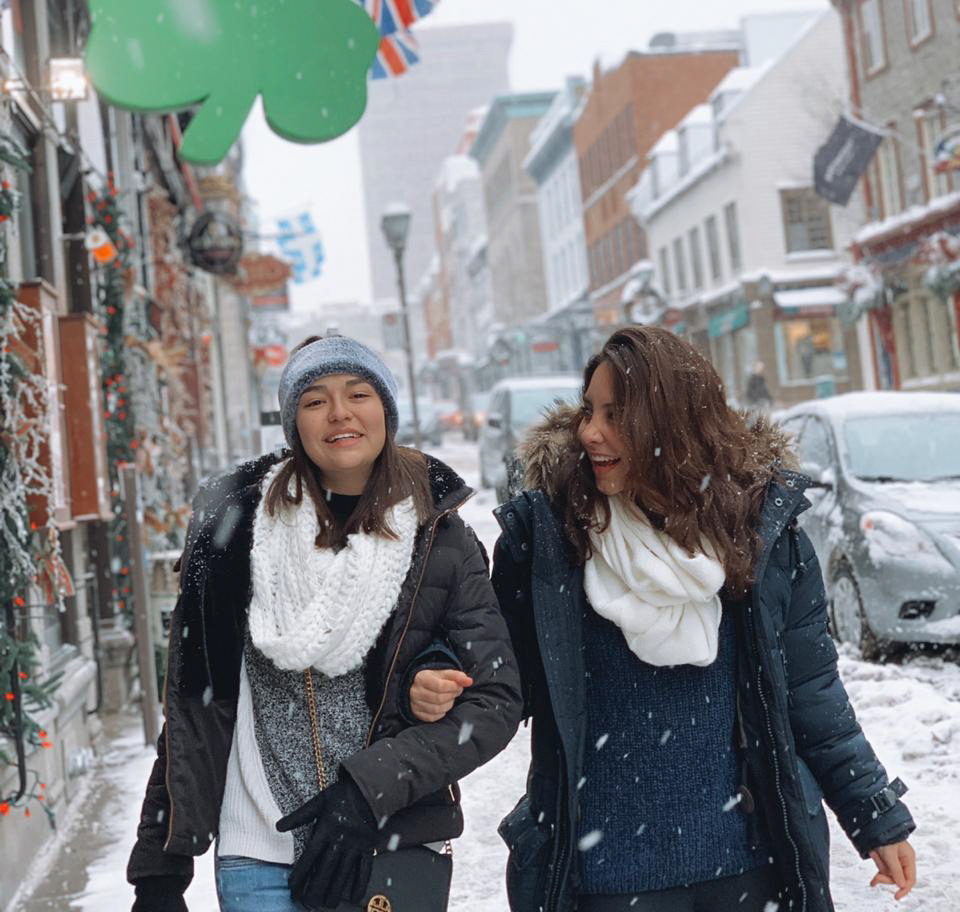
(316, 608)
(665, 601)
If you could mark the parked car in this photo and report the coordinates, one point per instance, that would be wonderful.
(885, 521)
(515, 404)
(449, 414)
(476, 417)
(431, 430)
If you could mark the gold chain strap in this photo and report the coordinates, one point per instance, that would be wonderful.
(318, 750)
(315, 728)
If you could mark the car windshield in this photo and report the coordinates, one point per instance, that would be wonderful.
(527, 405)
(904, 447)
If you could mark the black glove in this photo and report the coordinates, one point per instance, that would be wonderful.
(161, 893)
(336, 864)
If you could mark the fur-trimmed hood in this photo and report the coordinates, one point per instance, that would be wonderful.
(550, 450)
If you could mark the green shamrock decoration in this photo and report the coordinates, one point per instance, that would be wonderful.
(308, 58)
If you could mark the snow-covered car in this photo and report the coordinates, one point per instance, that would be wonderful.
(515, 404)
(885, 521)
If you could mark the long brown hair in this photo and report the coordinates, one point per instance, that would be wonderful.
(696, 468)
(397, 474)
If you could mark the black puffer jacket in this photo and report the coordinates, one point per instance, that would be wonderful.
(799, 735)
(408, 772)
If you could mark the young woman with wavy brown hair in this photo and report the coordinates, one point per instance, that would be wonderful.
(670, 622)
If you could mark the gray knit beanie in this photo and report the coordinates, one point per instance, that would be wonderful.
(334, 355)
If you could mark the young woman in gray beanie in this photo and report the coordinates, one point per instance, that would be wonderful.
(311, 580)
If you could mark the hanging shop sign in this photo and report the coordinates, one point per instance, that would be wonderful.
(843, 159)
(259, 273)
(308, 59)
(215, 243)
(730, 321)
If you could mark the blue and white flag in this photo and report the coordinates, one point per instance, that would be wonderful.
(301, 244)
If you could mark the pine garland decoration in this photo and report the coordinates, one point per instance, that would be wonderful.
(23, 547)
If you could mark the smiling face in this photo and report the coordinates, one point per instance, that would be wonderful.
(601, 438)
(343, 429)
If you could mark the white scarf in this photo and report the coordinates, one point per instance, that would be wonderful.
(664, 600)
(316, 608)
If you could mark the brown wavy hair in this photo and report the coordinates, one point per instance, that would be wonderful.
(697, 469)
(398, 473)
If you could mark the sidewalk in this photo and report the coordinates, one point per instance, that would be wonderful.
(83, 870)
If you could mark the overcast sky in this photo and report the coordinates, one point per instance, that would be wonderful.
(553, 39)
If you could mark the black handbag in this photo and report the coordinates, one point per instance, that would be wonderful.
(414, 879)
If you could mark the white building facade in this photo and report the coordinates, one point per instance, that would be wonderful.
(743, 252)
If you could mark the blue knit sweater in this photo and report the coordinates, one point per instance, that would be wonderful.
(660, 771)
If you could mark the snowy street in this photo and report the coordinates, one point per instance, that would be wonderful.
(911, 714)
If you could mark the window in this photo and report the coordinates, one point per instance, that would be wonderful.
(930, 129)
(11, 34)
(919, 21)
(814, 447)
(890, 177)
(810, 349)
(733, 236)
(806, 221)
(696, 258)
(665, 280)
(713, 248)
(874, 45)
(680, 262)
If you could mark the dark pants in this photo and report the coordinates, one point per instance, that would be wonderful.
(749, 892)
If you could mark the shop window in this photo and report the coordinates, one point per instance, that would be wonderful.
(680, 263)
(696, 258)
(919, 21)
(906, 349)
(808, 349)
(733, 236)
(872, 36)
(713, 247)
(806, 221)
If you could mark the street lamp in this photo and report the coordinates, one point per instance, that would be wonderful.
(395, 224)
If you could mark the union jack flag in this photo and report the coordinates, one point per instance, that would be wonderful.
(392, 16)
(398, 52)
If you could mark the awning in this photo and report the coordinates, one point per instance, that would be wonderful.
(823, 297)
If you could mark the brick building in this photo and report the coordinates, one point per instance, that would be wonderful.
(628, 108)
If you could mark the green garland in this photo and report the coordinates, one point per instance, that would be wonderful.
(22, 692)
(118, 412)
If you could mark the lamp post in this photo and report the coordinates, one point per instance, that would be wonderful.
(395, 224)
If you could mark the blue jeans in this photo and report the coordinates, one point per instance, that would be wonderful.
(248, 885)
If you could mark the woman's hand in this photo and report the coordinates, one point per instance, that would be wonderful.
(434, 691)
(896, 865)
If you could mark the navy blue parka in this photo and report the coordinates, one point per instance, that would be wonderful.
(799, 737)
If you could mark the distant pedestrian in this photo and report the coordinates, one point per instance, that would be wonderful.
(757, 395)
(670, 621)
(311, 581)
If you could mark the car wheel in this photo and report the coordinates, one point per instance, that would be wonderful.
(848, 619)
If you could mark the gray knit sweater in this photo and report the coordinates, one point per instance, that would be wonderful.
(272, 770)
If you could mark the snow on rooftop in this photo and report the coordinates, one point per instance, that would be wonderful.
(701, 115)
(455, 170)
(739, 79)
(669, 143)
